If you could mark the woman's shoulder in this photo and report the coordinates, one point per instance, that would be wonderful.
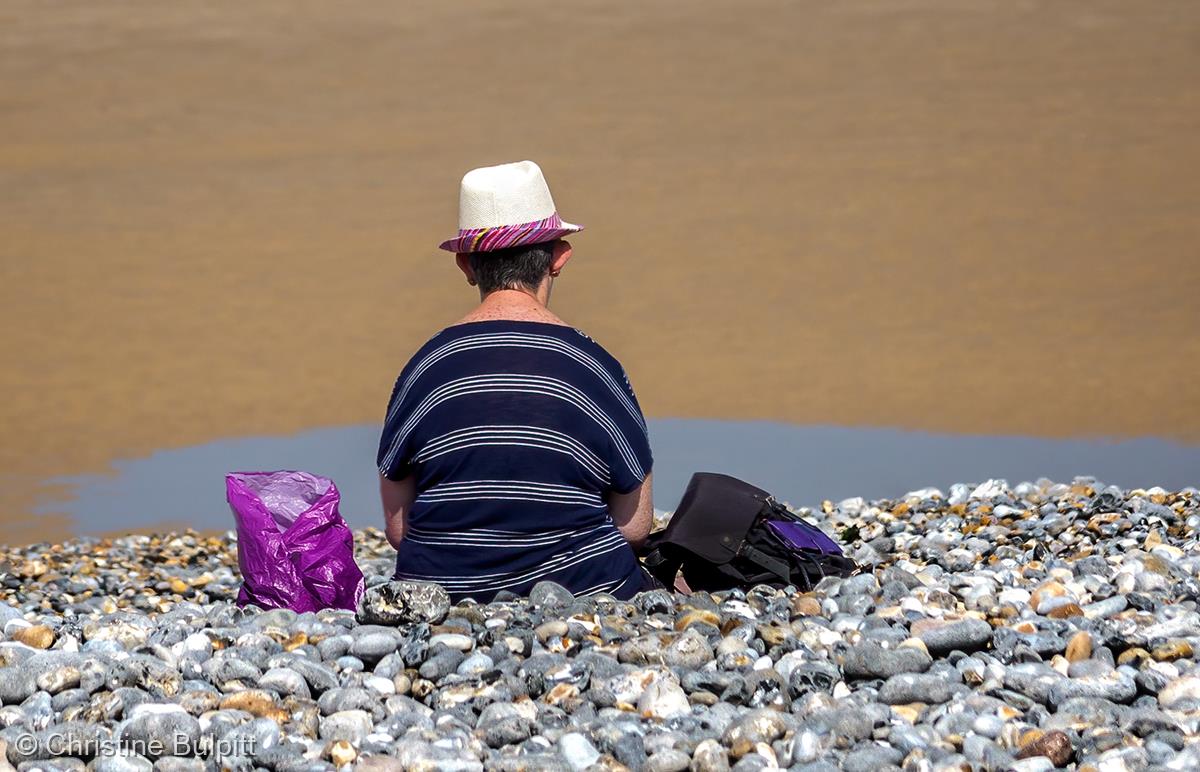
(587, 341)
(481, 334)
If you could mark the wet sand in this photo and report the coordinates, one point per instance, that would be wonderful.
(221, 219)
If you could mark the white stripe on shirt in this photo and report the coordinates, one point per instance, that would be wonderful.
(516, 383)
(470, 537)
(516, 490)
(515, 436)
(519, 340)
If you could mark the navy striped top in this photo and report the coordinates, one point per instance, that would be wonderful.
(516, 432)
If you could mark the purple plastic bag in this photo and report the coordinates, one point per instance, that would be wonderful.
(294, 549)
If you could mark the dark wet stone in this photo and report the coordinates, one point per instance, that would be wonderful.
(655, 602)
(1145, 721)
(870, 660)
(917, 687)
(630, 750)
(813, 677)
(1116, 687)
(964, 635)
(848, 725)
(155, 731)
(872, 757)
(1055, 746)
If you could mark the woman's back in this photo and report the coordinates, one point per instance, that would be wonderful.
(515, 433)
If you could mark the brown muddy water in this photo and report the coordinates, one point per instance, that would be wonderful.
(219, 219)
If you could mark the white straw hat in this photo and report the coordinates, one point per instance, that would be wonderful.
(503, 206)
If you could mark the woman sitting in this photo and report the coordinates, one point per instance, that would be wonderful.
(514, 450)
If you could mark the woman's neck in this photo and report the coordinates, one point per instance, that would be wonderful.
(515, 305)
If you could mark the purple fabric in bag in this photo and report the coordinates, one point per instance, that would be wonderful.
(799, 536)
(294, 549)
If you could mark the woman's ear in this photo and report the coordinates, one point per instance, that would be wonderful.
(562, 253)
(464, 264)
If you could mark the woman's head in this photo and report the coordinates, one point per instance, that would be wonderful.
(526, 267)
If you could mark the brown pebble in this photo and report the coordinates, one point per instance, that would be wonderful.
(1079, 647)
(607, 763)
(295, 641)
(38, 636)
(1066, 611)
(1132, 656)
(1028, 736)
(342, 753)
(805, 606)
(1055, 746)
(910, 713)
(1155, 564)
(696, 617)
(1172, 650)
(560, 694)
(256, 702)
(1045, 591)
(773, 635)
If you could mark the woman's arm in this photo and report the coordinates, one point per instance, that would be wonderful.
(633, 512)
(397, 501)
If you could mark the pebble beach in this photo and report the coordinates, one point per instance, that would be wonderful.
(993, 627)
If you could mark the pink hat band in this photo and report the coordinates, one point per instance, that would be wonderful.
(504, 236)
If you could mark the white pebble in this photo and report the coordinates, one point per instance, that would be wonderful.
(453, 640)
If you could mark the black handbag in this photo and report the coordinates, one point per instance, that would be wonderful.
(727, 533)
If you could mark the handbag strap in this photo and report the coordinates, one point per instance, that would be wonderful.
(663, 563)
(761, 559)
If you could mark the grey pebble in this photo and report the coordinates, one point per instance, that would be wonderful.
(964, 635)
(917, 687)
(578, 751)
(870, 660)
(668, 760)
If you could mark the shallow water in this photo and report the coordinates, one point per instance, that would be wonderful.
(799, 464)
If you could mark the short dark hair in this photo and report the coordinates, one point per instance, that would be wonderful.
(520, 267)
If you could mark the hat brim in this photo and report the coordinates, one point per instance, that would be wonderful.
(505, 236)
